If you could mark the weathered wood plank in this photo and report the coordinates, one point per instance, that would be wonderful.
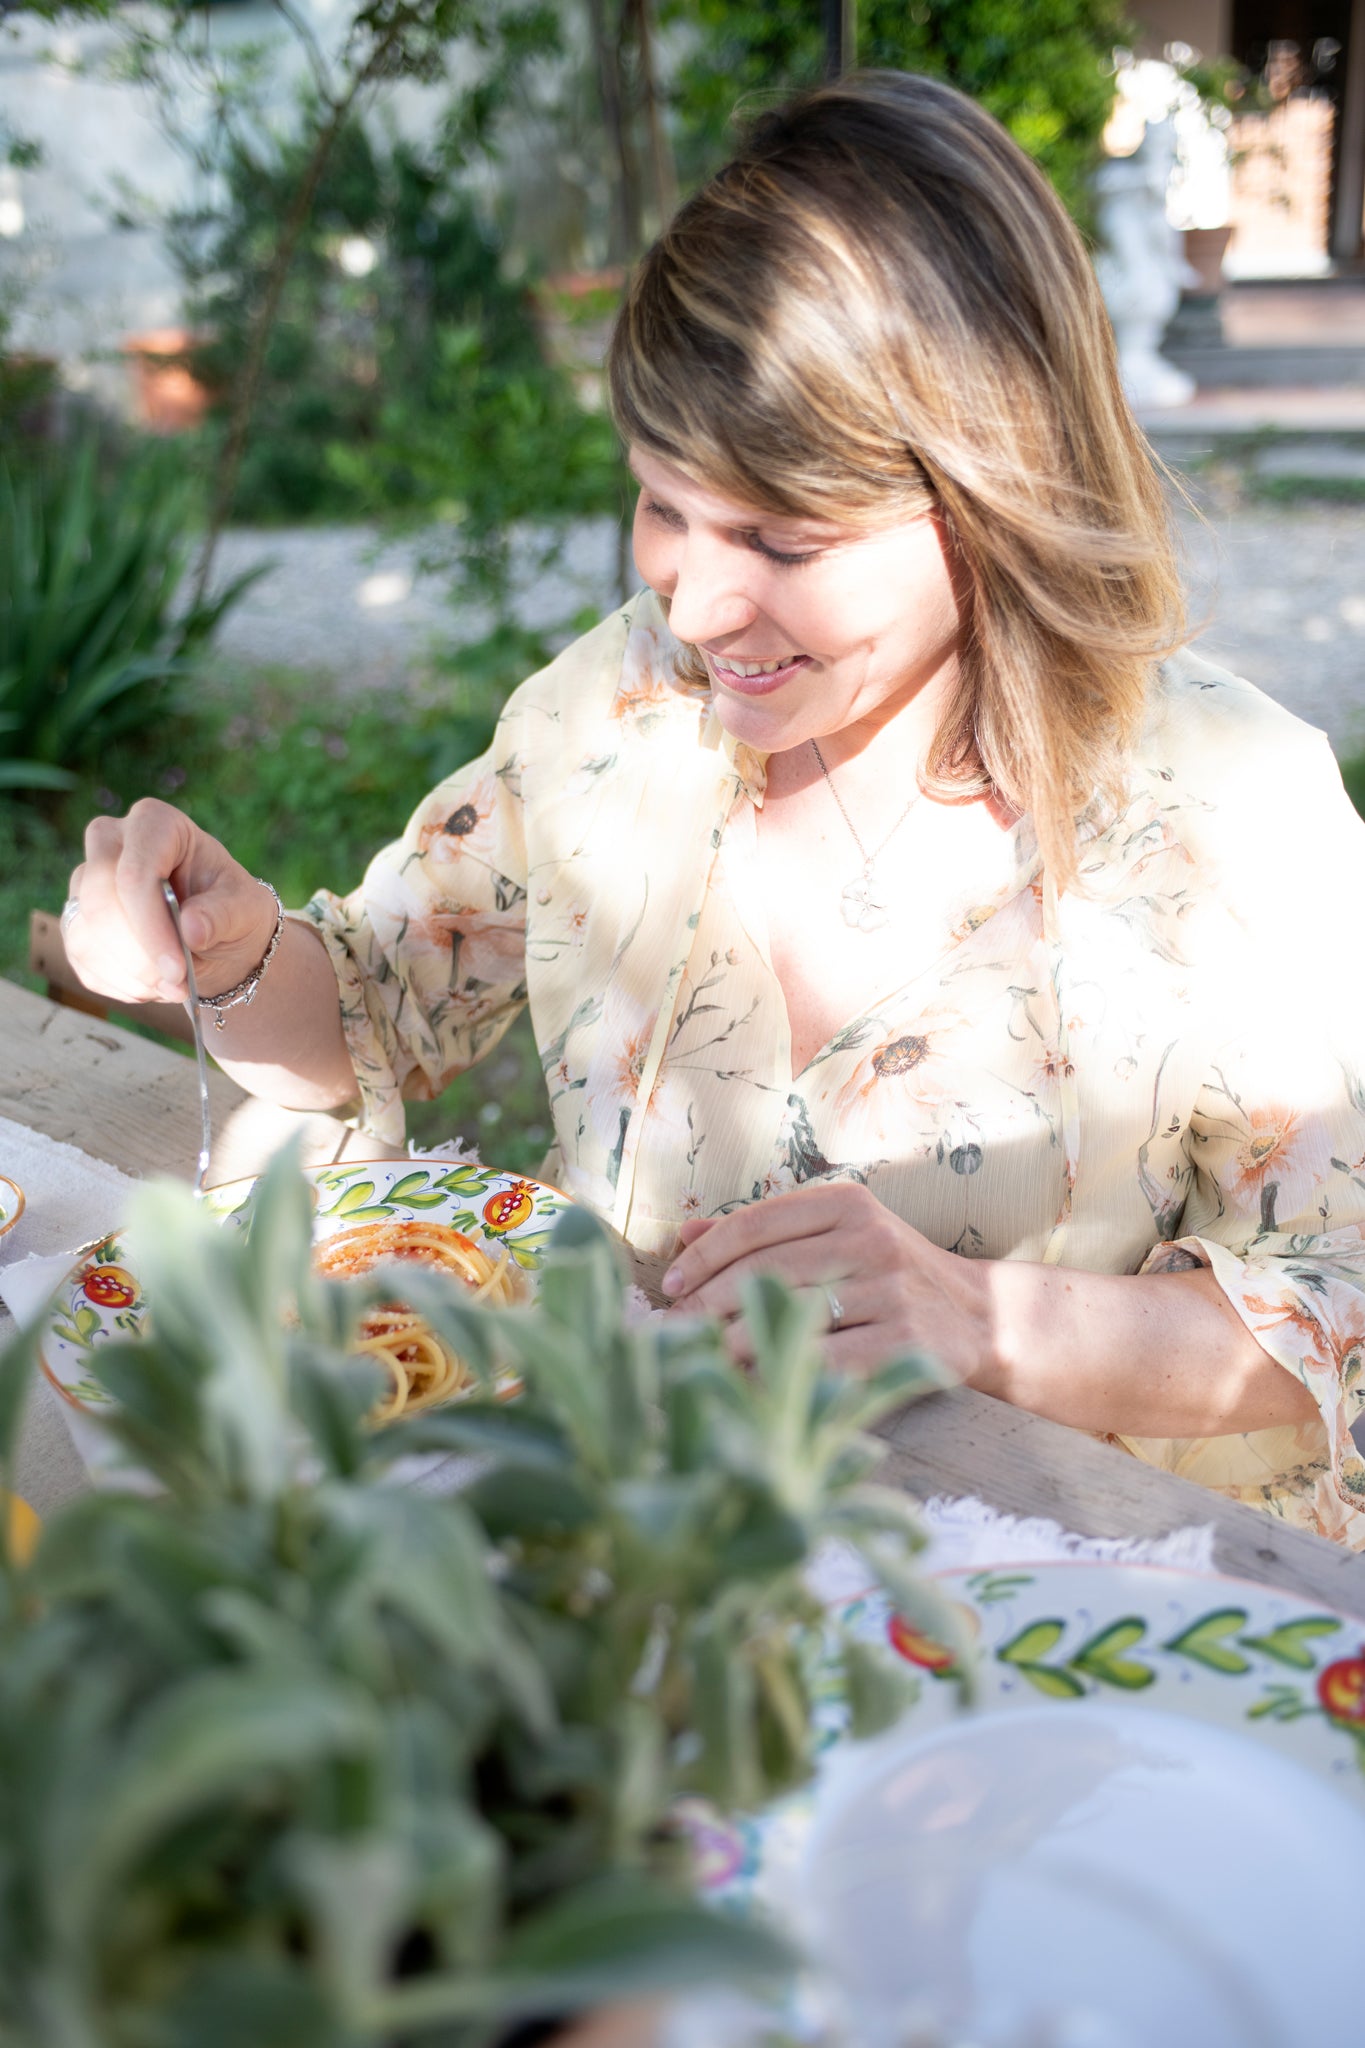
(965, 1443)
(134, 1103)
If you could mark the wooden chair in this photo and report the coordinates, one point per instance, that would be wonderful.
(47, 957)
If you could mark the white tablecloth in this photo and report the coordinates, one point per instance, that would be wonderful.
(70, 1200)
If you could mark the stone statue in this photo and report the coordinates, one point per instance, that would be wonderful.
(1141, 266)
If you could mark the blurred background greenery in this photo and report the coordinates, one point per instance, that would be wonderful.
(392, 328)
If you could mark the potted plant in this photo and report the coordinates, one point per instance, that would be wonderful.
(295, 1756)
(168, 397)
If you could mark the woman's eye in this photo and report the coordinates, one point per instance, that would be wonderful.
(666, 515)
(669, 516)
(785, 561)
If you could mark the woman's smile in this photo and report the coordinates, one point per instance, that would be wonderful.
(753, 677)
(806, 627)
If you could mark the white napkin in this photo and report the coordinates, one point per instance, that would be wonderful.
(70, 1200)
(967, 1535)
(69, 1197)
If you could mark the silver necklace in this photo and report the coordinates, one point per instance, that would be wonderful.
(864, 901)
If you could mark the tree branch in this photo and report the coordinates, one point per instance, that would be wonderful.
(249, 383)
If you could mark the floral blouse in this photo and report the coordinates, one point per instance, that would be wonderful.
(1164, 1067)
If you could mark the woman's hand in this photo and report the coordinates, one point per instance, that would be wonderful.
(895, 1289)
(1152, 1354)
(120, 939)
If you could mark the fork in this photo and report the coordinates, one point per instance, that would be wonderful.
(201, 1057)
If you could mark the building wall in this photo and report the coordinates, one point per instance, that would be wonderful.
(1206, 25)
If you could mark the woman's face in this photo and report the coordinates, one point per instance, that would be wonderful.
(844, 628)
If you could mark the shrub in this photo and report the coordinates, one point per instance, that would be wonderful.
(1042, 67)
(349, 355)
(294, 1755)
(91, 638)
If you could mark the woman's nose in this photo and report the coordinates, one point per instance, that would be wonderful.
(706, 590)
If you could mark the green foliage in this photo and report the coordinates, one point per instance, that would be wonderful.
(1042, 67)
(1306, 489)
(90, 635)
(513, 462)
(1353, 775)
(293, 1754)
(342, 348)
(307, 793)
(419, 391)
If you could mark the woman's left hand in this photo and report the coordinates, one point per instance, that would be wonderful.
(896, 1290)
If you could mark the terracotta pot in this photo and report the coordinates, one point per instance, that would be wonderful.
(619, 2026)
(575, 313)
(168, 397)
(1205, 249)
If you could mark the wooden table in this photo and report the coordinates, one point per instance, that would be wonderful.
(134, 1103)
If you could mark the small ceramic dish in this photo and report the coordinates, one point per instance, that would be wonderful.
(11, 1203)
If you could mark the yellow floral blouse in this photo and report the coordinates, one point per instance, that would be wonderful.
(1165, 1067)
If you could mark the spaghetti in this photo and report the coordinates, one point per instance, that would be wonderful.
(421, 1366)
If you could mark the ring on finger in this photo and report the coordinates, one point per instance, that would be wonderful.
(71, 910)
(836, 1310)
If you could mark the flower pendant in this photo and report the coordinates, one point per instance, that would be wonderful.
(864, 903)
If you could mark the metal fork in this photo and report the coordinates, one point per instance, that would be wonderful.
(192, 1005)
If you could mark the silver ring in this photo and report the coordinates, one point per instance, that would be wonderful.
(71, 910)
(836, 1310)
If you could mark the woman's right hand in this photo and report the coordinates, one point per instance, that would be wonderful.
(120, 938)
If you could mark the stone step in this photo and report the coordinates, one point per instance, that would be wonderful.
(1266, 368)
(1217, 417)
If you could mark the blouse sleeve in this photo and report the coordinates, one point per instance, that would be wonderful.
(430, 951)
(1276, 1135)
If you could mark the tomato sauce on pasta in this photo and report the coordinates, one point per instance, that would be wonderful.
(422, 1368)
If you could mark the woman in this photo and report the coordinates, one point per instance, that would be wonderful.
(889, 920)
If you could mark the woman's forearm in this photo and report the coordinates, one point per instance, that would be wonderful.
(1146, 1355)
(287, 1043)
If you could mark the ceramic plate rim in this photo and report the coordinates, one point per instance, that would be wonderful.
(248, 1181)
(951, 1578)
(753, 1846)
(21, 1204)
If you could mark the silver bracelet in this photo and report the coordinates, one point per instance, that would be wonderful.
(244, 990)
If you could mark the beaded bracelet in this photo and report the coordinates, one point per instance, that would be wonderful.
(244, 990)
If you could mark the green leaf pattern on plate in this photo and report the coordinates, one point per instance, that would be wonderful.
(1052, 1634)
(1289, 1643)
(1103, 1656)
(1207, 1641)
(1032, 1644)
(79, 1326)
(373, 1192)
(1217, 1641)
(986, 1587)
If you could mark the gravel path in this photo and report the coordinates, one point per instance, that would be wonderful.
(1283, 590)
(367, 613)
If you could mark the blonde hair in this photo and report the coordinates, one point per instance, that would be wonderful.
(880, 307)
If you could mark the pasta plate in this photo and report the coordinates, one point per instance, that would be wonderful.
(102, 1297)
